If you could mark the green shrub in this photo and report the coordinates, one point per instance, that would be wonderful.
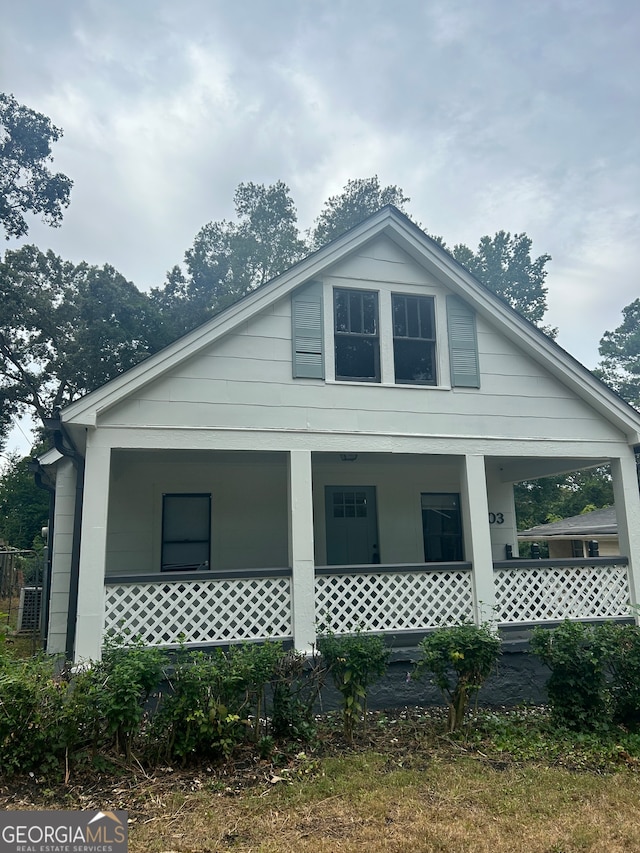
(579, 657)
(624, 666)
(355, 662)
(212, 699)
(296, 685)
(459, 659)
(39, 726)
(256, 665)
(113, 692)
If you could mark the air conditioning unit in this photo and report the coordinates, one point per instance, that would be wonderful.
(29, 609)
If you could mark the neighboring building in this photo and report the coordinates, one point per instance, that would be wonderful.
(339, 448)
(575, 536)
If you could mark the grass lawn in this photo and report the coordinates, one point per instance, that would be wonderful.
(359, 803)
(507, 785)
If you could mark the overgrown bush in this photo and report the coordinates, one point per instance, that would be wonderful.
(595, 673)
(296, 685)
(623, 642)
(217, 700)
(459, 659)
(579, 657)
(39, 723)
(114, 691)
(355, 661)
(204, 712)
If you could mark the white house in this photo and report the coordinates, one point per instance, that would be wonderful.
(337, 449)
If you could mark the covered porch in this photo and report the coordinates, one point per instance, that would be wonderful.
(297, 541)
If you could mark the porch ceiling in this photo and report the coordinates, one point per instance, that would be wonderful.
(510, 469)
(532, 468)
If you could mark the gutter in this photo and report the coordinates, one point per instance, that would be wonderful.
(40, 477)
(64, 445)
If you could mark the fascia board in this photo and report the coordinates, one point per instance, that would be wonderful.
(545, 351)
(86, 410)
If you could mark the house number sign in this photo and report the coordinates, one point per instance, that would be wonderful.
(496, 518)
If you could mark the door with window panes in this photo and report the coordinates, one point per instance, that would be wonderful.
(351, 525)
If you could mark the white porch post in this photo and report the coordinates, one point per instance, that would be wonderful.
(475, 519)
(93, 550)
(301, 554)
(627, 501)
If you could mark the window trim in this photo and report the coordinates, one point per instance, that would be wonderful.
(163, 541)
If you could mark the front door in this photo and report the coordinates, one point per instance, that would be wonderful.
(352, 525)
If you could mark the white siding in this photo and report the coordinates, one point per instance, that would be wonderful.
(244, 380)
(62, 544)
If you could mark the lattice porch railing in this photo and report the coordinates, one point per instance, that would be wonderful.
(534, 591)
(392, 598)
(200, 610)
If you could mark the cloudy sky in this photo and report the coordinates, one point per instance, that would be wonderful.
(490, 114)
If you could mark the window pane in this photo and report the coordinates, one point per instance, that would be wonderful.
(426, 319)
(186, 517)
(370, 319)
(399, 317)
(185, 555)
(355, 311)
(413, 317)
(413, 326)
(414, 361)
(341, 311)
(356, 358)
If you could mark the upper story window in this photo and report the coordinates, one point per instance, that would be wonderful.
(414, 339)
(357, 341)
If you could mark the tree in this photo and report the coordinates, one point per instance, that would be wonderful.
(620, 352)
(65, 329)
(24, 508)
(552, 498)
(26, 183)
(503, 264)
(359, 199)
(230, 259)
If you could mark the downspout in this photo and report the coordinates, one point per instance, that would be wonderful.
(64, 445)
(40, 478)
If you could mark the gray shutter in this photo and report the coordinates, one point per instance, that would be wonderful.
(307, 336)
(463, 344)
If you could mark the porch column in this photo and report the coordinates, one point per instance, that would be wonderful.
(301, 549)
(475, 519)
(627, 501)
(93, 551)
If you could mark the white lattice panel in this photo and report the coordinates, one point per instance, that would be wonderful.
(394, 601)
(555, 593)
(202, 611)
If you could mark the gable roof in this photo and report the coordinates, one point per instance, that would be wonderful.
(388, 221)
(599, 522)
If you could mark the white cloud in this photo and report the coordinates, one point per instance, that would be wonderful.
(490, 116)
